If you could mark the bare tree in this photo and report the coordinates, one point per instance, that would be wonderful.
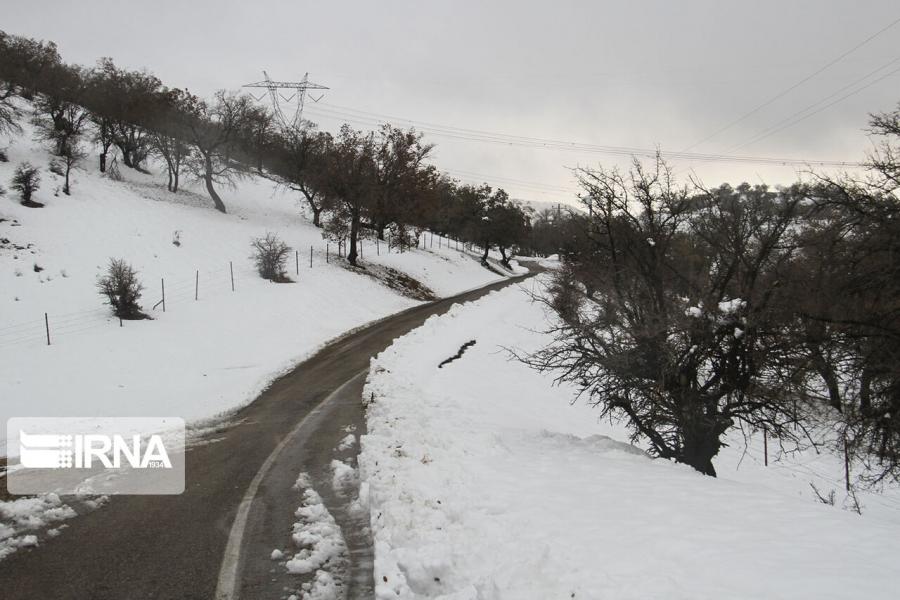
(215, 136)
(270, 254)
(122, 289)
(682, 333)
(26, 180)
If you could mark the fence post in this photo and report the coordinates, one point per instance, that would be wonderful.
(310, 256)
(120, 321)
(326, 253)
(231, 270)
(432, 240)
(377, 249)
(47, 327)
(197, 285)
(765, 447)
(297, 261)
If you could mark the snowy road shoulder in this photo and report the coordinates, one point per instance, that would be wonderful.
(484, 482)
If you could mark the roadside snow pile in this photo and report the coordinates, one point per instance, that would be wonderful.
(484, 482)
(212, 349)
(21, 517)
(343, 475)
(347, 442)
(322, 549)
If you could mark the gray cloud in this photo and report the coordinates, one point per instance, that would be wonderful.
(641, 74)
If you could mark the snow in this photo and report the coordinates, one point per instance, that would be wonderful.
(276, 554)
(343, 475)
(348, 442)
(483, 480)
(694, 311)
(731, 306)
(20, 517)
(321, 546)
(198, 358)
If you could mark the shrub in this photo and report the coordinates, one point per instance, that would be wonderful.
(270, 255)
(26, 180)
(122, 289)
(3, 156)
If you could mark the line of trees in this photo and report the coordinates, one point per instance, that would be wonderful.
(355, 183)
(688, 312)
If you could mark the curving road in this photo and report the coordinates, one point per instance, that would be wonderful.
(214, 541)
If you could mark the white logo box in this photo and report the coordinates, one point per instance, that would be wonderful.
(95, 455)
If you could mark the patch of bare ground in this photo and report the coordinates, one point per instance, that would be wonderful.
(397, 281)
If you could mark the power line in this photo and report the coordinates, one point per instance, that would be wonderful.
(511, 180)
(451, 132)
(792, 120)
(788, 90)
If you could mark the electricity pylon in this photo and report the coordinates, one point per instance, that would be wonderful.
(301, 89)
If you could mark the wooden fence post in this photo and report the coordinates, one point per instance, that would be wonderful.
(47, 327)
(297, 261)
(310, 256)
(163, 283)
(765, 447)
(197, 285)
(231, 270)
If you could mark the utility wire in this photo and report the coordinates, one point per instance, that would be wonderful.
(791, 88)
(360, 117)
(793, 120)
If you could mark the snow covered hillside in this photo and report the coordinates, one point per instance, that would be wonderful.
(199, 357)
(484, 482)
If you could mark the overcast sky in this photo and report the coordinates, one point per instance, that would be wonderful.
(615, 73)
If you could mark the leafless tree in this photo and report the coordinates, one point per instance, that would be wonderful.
(214, 132)
(681, 333)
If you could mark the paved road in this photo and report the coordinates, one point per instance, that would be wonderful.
(177, 547)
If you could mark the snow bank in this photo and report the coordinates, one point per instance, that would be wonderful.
(484, 482)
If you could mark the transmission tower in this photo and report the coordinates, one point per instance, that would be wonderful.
(298, 95)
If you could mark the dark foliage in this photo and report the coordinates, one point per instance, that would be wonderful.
(122, 289)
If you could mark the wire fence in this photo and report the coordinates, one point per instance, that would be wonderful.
(169, 293)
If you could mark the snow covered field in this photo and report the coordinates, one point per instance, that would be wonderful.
(484, 482)
(199, 357)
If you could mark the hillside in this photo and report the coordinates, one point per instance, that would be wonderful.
(201, 356)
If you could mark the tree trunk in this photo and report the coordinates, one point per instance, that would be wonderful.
(220, 206)
(103, 162)
(505, 260)
(487, 248)
(169, 184)
(380, 230)
(66, 189)
(316, 210)
(175, 183)
(354, 233)
(699, 454)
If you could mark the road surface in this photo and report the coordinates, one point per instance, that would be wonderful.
(214, 541)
